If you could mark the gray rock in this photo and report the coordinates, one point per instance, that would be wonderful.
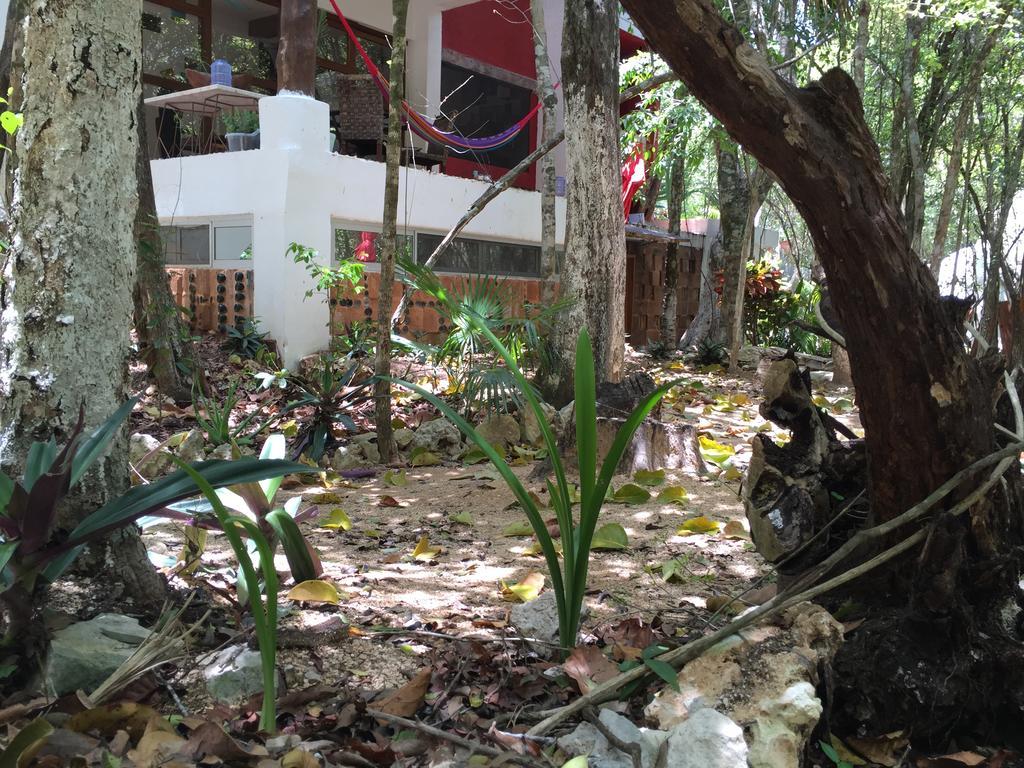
(233, 674)
(567, 418)
(365, 437)
(439, 436)
(403, 437)
(371, 452)
(500, 430)
(193, 447)
(140, 446)
(221, 452)
(530, 427)
(707, 739)
(348, 457)
(588, 740)
(537, 619)
(85, 654)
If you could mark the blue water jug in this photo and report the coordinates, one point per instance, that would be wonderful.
(220, 73)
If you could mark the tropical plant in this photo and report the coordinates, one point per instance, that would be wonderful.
(214, 418)
(348, 272)
(264, 612)
(245, 338)
(570, 582)
(241, 121)
(710, 352)
(30, 553)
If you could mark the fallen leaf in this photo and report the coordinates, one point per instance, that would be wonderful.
(422, 457)
(324, 498)
(519, 743)
(314, 591)
(210, 739)
(424, 551)
(524, 591)
(517, 529)
(388, 501)
(740, 399)
(462, 517)
(649, 477)
(674, 494)
(698, 525)
(610, 536)
(631, 494)
(577, 762)
(158, 743)
(406, 700)
(731, 474)
(716, 453)
(887, 750)
(25, 743)
(396, 477)
(734, 530)
(108, 719)
(299, 758)
(337, 520)
(588, 666)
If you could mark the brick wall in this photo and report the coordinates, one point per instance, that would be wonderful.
(215, 298)
(647, 263)
(361, 108)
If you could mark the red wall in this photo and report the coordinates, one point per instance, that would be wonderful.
(491, 34)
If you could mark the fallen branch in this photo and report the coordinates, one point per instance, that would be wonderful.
(802, 590)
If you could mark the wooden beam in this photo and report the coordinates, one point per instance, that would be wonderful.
(296, 57)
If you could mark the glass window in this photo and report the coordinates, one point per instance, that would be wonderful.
(331, 42)
(363, 245)
(189, 246)
(247, 56)
(481, 257)
(232, 243)
(170, 42)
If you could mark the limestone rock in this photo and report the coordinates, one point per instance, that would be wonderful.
(140, 446)
(588, 740)
(530, 428)
(85, 654)
(538, 619)
(403, 437)
(348, 457)
(439, 436)
(233, 674)
(193, 447)
(221, 452)
(707, 739)
(763, 678)
(500, 430)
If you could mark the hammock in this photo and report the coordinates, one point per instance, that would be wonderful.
(422, 126)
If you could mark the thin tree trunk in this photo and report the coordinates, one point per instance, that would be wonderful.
(670, 291)
(594, 273)
(860, 45)
(914, 203)
(157, 317)
(66, 296)
(389, 235)
(549, 123)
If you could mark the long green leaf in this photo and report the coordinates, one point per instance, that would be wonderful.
(586, 420)
(6, 491)
(294, 544)
(273, 448)
(94, 445)
(39, 460)
(38, 729)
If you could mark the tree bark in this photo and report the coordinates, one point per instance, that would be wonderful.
(706, 324)
(914, 202)
(66, 295)
(670, 291)
(389, 234)
(925, 411)
(860, 45)
(157, 317)
(549, 127)
(594, 273)
(296, 57)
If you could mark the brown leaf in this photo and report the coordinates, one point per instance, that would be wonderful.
(516, 742)
(157, 744)
(954, 760)
(406, 700)
(299, 758)
(886, 750)
(111, 718)
(388, 501)
(588, 666)
(211, 739)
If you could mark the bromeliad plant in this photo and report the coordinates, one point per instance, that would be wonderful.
(569, 582)
(32, 554)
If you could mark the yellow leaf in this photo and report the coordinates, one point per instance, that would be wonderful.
(517, 529)
(631, 494)
(526, 590)
(337, 520)
(315, 591)
(731, 474)
(714, 452)
(698, 525)
(299, 758)
(674, 494)
(740, 399)
(424, 551)
(462, 517)
(325, 498)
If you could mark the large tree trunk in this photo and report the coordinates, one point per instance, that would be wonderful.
(594, 273)
(389, 234)
(68, 276)
(296, 57)
(157, 318)
(546, 170)
(925, 404)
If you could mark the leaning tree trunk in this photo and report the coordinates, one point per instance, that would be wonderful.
(594, 274)
(936, 625)
(67, 278)
(164, 338)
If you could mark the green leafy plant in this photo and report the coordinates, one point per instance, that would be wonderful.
(241, 121)
(348, 272)
(569, 582)
(710, 352)
(10, 120)
(30, 553)
(245, 338)
(264, 612)
(214, 418)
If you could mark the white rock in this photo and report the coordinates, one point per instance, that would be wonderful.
(707, 739)
(538, 619)
(147, 457)
(403, 437)
(439, 436)
(588, 740)
(347, 457)
(193, 447)
(500, 430)
(778, 737)
(531, 434)
(233, 674)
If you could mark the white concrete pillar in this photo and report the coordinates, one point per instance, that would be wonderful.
(294, 136)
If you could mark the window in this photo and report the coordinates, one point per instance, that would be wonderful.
(363, 245)
(481, 257)
(477, 105)
(171, 43)
(232, 243)
(186, 246)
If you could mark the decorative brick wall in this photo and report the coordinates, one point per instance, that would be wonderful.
(215, 298)
(646, 262)
(361, 108)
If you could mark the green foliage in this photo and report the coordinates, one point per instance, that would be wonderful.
(264, 612)
(245, 338)
(240, 121)
(10, 120)
(214, 418)
(710, 352)
(576, 535)
(349, 272)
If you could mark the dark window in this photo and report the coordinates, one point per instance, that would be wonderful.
(481, 257)
(478, 106)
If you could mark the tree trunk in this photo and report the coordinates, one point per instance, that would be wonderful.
(925, 410)
(549, 127)
(67, 278)
(389, 234)
(707, 323)
(914, 203)
(860, 45)
(296, 57)
(670, 291)
(594, 273)
(157, 318)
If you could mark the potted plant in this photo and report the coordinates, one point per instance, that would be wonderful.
(242, 130)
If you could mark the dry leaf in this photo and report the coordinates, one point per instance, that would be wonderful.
(734, 530)
(698, 525)
(406, 700)
(299, 758)
(314, 591)
(389, 501)
(424, 551)
(525, 591)
(589, 667)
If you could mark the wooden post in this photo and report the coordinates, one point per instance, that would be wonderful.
(296, 58)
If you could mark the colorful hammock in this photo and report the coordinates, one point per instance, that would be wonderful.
(422, 126)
